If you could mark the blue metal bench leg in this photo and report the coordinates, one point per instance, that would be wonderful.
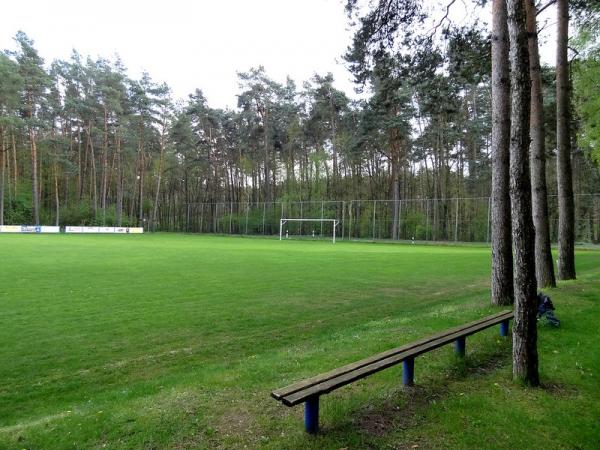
(504, 328)
(459, 346)
(408, 372)
(311, 415)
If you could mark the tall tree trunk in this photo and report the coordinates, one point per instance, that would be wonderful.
(55, 178)
(333, 140)
(79, 166)
(525, 356)
(34, 177)
(396, 196)
(134, 190)
(15, 167)
(56, 194)
(41, 174)
(544, 267)
(2, 174)
(104, 181)
(502, 258)
(142, 170)
(93, 182)
(119, 206)
(159, 178)
(566, 207)
(267, 179)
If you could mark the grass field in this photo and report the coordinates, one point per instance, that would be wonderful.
(175, 341)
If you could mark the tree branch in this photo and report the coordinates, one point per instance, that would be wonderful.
(575, 55)
(435, 28)
(542, 8)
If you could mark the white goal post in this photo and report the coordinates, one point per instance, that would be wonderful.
(282, 222)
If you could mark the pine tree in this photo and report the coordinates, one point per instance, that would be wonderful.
(543, 253)
(502, 257)
(566, 206)
(35, 83)
(525, 356)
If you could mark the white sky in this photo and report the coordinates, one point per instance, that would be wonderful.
(197, 43)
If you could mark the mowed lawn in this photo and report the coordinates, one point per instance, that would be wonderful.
(175, 341)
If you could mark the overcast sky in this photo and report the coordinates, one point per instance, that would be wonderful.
(196, 43)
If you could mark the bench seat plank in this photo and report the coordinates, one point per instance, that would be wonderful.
(327, 382)
(279, 393)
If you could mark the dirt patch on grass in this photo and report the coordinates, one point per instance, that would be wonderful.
(235, 421)
(402, 411)
(406, 407)
(377, 421)
(492, 364)
(560, 390)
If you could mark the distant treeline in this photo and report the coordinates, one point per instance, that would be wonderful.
(84, 144)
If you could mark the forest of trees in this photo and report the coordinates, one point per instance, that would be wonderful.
(83, 143)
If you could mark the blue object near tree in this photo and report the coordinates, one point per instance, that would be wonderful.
(460, 346)
(408, 372)
(504, 328)
(311, 415)
(546, 309)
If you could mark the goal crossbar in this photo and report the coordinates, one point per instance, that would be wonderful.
(282, 222)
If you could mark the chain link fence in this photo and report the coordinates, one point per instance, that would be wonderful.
(452, 219)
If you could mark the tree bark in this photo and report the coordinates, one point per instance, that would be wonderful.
(566, 207)
(502, 262)
(395, 145)
(55, 179)
(56, 194)
(104, 181)
(267, 157)
(119, 206)
(333, 139)
(79, 166)
(142, 170)
(34, 177)
(93, 182)
(544, 267)
(141, 204)
(14, 161)
(2, 174)
(525, 357)
(159, 178)
(396, 200)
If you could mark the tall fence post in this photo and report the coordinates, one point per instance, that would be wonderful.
(456, 222)
(374, 208)
(427, 219)
(263, 220)
(301, 216)
(187, 221)
(399, 227)
(596, 219)
(201, 216)
(350, 210)
(343, 217)
(322, 205)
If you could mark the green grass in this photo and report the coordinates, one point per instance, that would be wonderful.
(162, 341)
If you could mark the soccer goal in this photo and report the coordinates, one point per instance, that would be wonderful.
(282, 222)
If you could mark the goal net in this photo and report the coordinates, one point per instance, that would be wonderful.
(283, 233)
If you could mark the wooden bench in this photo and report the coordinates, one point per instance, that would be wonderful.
(308, 391)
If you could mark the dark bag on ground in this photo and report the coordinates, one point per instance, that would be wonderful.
(546, 309)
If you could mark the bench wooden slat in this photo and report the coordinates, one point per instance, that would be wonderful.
(279, 393)
(322, 384)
